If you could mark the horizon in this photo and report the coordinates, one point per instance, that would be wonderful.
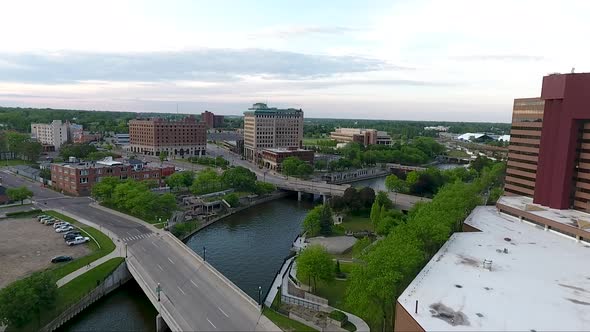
(423, 60)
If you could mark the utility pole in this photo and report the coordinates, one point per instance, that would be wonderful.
(204, 254)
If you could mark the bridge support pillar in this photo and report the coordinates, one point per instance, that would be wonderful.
(299, 194)
(161, 324)
(325, 199)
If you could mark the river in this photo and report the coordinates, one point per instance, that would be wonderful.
(248, 248)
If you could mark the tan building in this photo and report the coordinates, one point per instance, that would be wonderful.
(361, 136)
(266, 127)
(186, 137)
(53, 134)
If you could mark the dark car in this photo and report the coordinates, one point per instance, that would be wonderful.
(59, 259)
(77, 233)
(71, 236)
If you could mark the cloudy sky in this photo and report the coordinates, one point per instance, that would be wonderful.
(371, 59)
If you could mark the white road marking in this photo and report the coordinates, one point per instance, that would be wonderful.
(223, 312)
(211, 323)
(180, 289)
(160, 267)
(192, 282)
(142, 248)
(129, 234)
(170, 260)
(154, 243)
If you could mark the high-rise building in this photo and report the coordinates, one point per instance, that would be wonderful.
(53, 134)
(361, 136)
(266, 127)
(212, 120)
(186, 137)
(549, 152)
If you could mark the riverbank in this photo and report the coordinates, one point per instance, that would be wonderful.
(271, 197)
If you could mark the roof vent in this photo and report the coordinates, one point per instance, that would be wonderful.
(487, 264)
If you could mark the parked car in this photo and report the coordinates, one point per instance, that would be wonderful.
(45, 221)
(74, 232)
(60, 224)
(59, 259)
(63, 229)
(49, 222)
(78, 240)
(45, 218)
(71, 237)
(41, 216)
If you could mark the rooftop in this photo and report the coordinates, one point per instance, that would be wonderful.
(279, 150)
(263, 108)
(538, 280)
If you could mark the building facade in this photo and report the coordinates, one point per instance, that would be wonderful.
(212, 120)
(362, 136)
(272, 158)
(79, 178)
(267, 128)
(549, 151)
(186, 137)
(53, 134)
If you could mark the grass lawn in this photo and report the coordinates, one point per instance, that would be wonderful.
(458, 154)
(106, 246)
(334, 291)
(357, 223)
(284, 322)
(15, 162)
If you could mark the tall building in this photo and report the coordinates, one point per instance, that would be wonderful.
(186, 137)
(266, 127)
(549, 152)
(52, 134)
(361, 136)
(212, 120)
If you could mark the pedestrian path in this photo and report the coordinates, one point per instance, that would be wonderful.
(84, 269)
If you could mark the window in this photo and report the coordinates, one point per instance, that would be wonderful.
(83, 180)
(84, 172)
(146, 176)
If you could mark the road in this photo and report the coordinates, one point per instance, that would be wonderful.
(191, 290)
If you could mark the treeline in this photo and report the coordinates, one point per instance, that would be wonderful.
(392, 263)
(320, 128)
(209, 181)
(20, 145)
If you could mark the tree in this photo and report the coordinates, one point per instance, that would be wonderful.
(206, 181)
(239, 178)
(45, 174)
(393, 183)
(366, 197)
(311, 223)
(315, 263)
(180, 180)
(375, 214)
(480, 163)
(264, 188)
(351, 199)
(326, 220)
(163, 156)
(25, 298)
(80, 151)
(103, 190)
(384, 200)
(19, 194)
(290, 165)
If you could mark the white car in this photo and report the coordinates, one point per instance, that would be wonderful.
(78, 240)
(61, 224)
(64, 229)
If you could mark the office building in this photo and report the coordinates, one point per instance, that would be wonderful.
(122, 139)
(266, 128)
(79, 178)
(51, 135)
(212, 120)
(185, 138)
(362, 136)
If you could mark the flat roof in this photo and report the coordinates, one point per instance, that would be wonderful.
(285, 150)
(568, 217)
(539, 280)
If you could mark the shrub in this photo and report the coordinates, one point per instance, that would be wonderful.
(338, 315)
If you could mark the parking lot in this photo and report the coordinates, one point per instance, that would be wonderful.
(27, 246)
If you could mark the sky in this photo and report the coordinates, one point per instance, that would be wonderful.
(451, 60)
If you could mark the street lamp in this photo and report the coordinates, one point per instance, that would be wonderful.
(259, 296)
(158, 290)
(125, 250)
(204, 254)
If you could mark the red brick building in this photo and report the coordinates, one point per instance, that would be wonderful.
(79, 178)
(212, 120)
(186, 137)
(272, 158)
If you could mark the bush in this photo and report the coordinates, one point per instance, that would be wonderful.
(232, 199)
(24, 213)
(338, 315)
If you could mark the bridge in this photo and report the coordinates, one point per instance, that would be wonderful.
(193, 295)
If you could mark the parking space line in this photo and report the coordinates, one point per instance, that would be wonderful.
(180, 289)
(170, 260)
(211, 323)
(160, 267)
(192, 282)
(223, 312)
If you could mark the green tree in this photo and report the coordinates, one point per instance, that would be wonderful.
(239, 178)
(315, 264)
(366, 197)
(163, 156)
(19, 194)
(80, 151)
(232, 199)
(264, 188)
(290, 165)
(180, 180)
(24, 299)
(104, 189)
(326, 220)
(206, 181)
(383, 200)
(311, 223)
(45, 174)
(393, 183)
(375, 214)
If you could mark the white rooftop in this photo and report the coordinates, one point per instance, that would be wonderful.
(109, 161)
(540, 282)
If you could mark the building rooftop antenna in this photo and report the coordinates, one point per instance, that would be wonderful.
(573, 70)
